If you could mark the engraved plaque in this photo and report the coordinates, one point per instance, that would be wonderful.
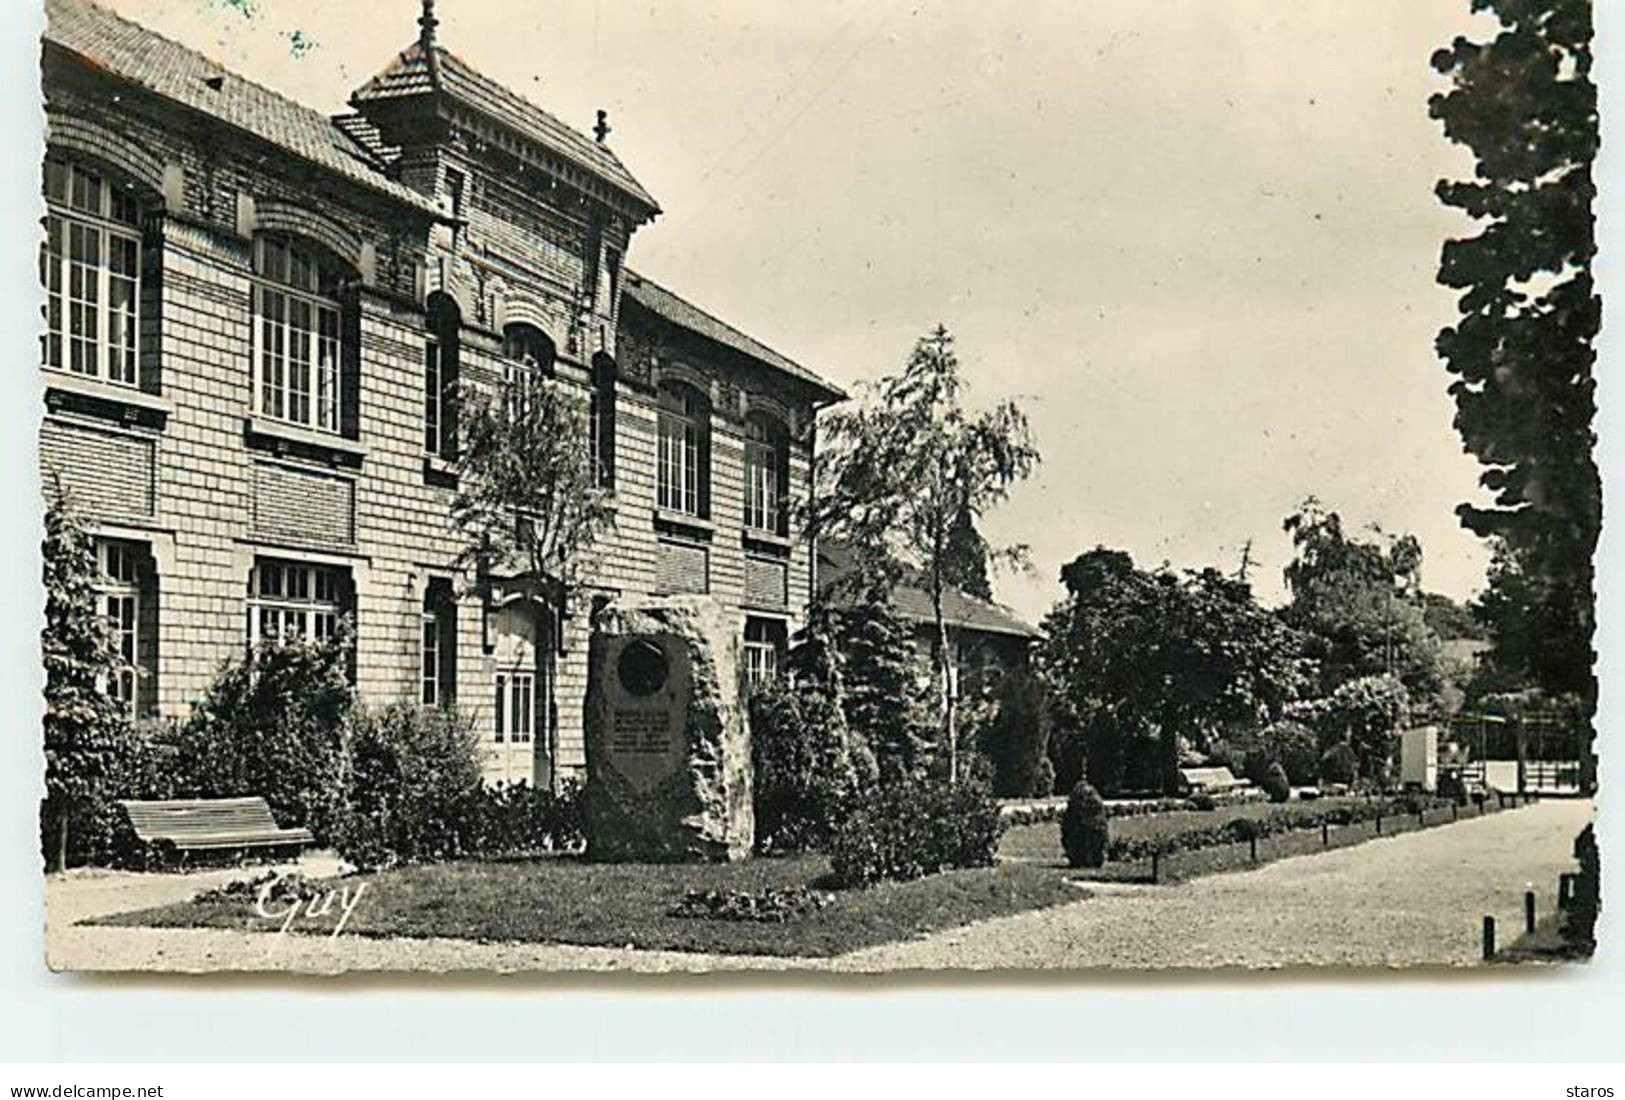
(647, 691)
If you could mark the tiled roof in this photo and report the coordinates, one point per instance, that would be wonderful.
(684, 314)
(176, 72)
(410, 74)
(959, 609)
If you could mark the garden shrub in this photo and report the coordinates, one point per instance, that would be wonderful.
(907, 829)
(1275, 783)
(517, 819)
(274, 725)
(1201, 800)
(1338, 764)
(414, 787)
(1015, 737)
(804, 775)
(1452, 787)
(1085, 830)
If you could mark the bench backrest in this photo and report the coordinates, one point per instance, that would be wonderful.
(179, 819)
(1211, 779)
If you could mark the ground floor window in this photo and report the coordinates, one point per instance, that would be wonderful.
(438, 646)
(515, 707)
(764, 650)
(119, 592)
(290, 600)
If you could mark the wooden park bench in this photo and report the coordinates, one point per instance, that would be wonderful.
(210, 825)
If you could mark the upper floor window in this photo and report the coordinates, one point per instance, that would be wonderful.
(90, 264)
(767, 461)
(440, 374)
(288, 600)
(296, 333)
(528, 356)
(602, 414)
(684, 453)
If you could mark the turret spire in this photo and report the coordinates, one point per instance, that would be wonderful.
(428, 23)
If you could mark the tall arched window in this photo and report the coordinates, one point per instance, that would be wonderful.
(90, 264)
(767, 475)
(440, 374)
(528, 353)
(297, 332)
(684, 457)
(603, 419)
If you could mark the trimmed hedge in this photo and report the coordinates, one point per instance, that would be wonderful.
(907, 829)
(1291, 819)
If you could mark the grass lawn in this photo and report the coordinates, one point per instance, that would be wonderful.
(1040, 844)
(567, 900)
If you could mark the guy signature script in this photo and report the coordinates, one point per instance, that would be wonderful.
(310, 909)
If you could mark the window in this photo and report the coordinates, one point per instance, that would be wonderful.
(296, 334)
(767, 468)
(288, 600)
(528, 358)
(684, 453)
(438, 650)
(433, 397)
(764, 641)
(602, 415)
(440, 372)
(120, 598)
(515, 707)
(90, 264)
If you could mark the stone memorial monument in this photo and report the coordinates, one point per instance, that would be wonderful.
(668, 743)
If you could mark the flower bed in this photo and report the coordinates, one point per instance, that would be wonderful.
(1051, 809)
(1286, 819)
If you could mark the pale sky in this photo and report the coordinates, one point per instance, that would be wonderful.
(1196, 239)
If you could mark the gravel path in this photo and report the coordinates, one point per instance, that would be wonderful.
(1417, 898)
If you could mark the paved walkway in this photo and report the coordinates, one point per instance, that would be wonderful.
(1417, 898)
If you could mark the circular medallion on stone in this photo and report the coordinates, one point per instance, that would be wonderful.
(642, 668)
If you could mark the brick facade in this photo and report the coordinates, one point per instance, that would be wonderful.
(184, 467)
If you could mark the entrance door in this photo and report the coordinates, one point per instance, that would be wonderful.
(517, 736)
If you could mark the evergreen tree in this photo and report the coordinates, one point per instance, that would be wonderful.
(87, 735)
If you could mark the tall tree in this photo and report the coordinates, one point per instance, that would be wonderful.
(1187, 656)
(1521, 354)
(908, 467)
(1358, 605)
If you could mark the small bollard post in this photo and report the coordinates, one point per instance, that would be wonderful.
(1252, 848)
(1325, 834)
(1155, 859)
(1452, 811)
(1489, 938)
(1420, 822)
(1528, 910)
(1379, 824)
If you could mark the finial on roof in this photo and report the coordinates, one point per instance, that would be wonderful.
(601, 129)
(428, 22)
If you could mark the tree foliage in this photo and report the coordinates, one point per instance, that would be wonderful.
(1359, 606)
(905, 476)
(1184, 656)
(528, 499)
(1521, 354)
